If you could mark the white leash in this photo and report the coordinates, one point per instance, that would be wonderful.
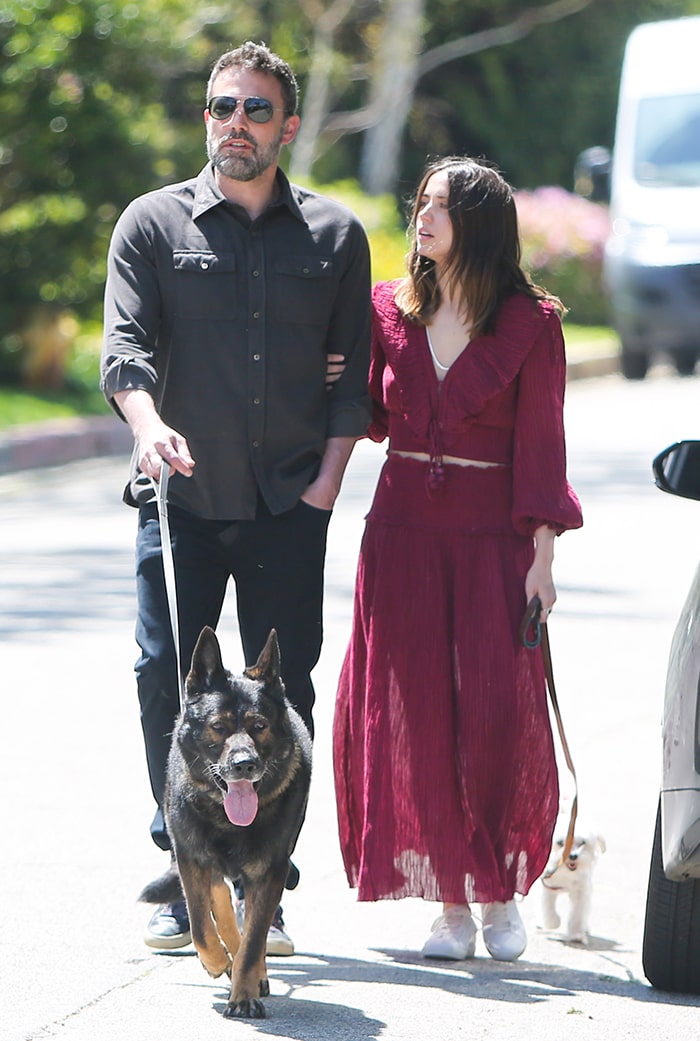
(161, 490)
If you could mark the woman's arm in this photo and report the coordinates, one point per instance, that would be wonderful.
(539, 581)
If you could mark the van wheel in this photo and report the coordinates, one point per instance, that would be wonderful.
(685, 362)
(671, 945)
(634, 364)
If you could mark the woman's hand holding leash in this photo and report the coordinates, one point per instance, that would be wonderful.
(538, 581)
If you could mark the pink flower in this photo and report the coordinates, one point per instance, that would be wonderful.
(556, 224)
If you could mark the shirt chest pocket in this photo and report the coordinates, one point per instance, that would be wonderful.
(205, 285)
(303, 289)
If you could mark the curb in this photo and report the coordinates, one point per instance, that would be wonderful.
(59, 441)
(587, 368)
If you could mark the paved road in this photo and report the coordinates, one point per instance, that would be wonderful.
(76, 806)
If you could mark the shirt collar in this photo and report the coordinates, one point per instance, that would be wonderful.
(207, 194)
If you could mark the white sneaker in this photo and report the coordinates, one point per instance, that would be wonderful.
(279, 943)
(453, 935)
(503, 929)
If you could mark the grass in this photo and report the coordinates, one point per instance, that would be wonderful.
(589, 341)
(18, 406)
(80, 396)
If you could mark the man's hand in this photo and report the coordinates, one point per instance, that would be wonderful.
(155, 440)
(323, 492)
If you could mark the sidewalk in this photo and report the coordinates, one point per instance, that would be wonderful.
(67, 440)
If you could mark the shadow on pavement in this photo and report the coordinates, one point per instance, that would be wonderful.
(520, 983)
(62, 590)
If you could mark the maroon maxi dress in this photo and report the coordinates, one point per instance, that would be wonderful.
(445, 772)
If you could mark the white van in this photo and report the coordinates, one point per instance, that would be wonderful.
(652, 258)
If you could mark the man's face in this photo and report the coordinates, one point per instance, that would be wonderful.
(238, 147)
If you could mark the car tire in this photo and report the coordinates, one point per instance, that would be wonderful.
(685, 362)
(671, 944)
(633, 364)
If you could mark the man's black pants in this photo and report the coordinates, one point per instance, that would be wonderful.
(277, 565)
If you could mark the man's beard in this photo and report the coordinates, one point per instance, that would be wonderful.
(248, 165)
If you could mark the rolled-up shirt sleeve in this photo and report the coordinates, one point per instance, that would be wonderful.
(132, 310)
(541, 492)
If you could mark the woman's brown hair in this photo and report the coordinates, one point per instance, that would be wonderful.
(483, 264)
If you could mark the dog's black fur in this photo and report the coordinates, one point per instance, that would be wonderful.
(234, 734)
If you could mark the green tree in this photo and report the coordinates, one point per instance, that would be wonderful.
(533, 104)
(87, 93)
(100, 101)
(528, 84)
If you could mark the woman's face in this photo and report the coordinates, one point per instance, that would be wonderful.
(433, 225)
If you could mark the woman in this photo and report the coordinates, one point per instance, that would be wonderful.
(444, 762)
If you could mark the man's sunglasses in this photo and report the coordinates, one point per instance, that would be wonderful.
(257, 110)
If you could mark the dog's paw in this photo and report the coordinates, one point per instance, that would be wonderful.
(265, 988)
(579, 939)
(246, 1009)
(217, 967)
(551, 920)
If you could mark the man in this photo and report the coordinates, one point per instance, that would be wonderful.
(227, 297)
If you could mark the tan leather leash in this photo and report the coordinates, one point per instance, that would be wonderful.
(531, 621)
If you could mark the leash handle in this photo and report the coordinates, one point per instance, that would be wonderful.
(531, 620)
(531, 624)
(161, 489)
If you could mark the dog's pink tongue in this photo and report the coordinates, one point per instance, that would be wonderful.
(241, 803)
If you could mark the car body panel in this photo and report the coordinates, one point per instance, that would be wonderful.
(680, 784)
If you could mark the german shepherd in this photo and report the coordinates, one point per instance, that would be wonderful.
(237, 787)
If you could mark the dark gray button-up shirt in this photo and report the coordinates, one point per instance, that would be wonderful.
(227, 323)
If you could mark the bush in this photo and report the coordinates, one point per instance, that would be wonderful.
(563, 237)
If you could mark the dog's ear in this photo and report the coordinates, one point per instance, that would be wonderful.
(206, 663)
(267, 668)
(600, 843)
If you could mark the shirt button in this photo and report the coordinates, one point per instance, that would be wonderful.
(256, 401)
(256, 444)
(256, 314)
(256, 274)
(256, 357)
(204, 265)
(306, 271)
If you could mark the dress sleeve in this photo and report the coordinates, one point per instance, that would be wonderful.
(379, 426)
(349, 334)
(541, 492)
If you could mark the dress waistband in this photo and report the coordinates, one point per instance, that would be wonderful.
(469, 498)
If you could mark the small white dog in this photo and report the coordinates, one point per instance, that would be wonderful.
(573, 878)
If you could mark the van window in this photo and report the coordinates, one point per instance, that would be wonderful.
(667, 145)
